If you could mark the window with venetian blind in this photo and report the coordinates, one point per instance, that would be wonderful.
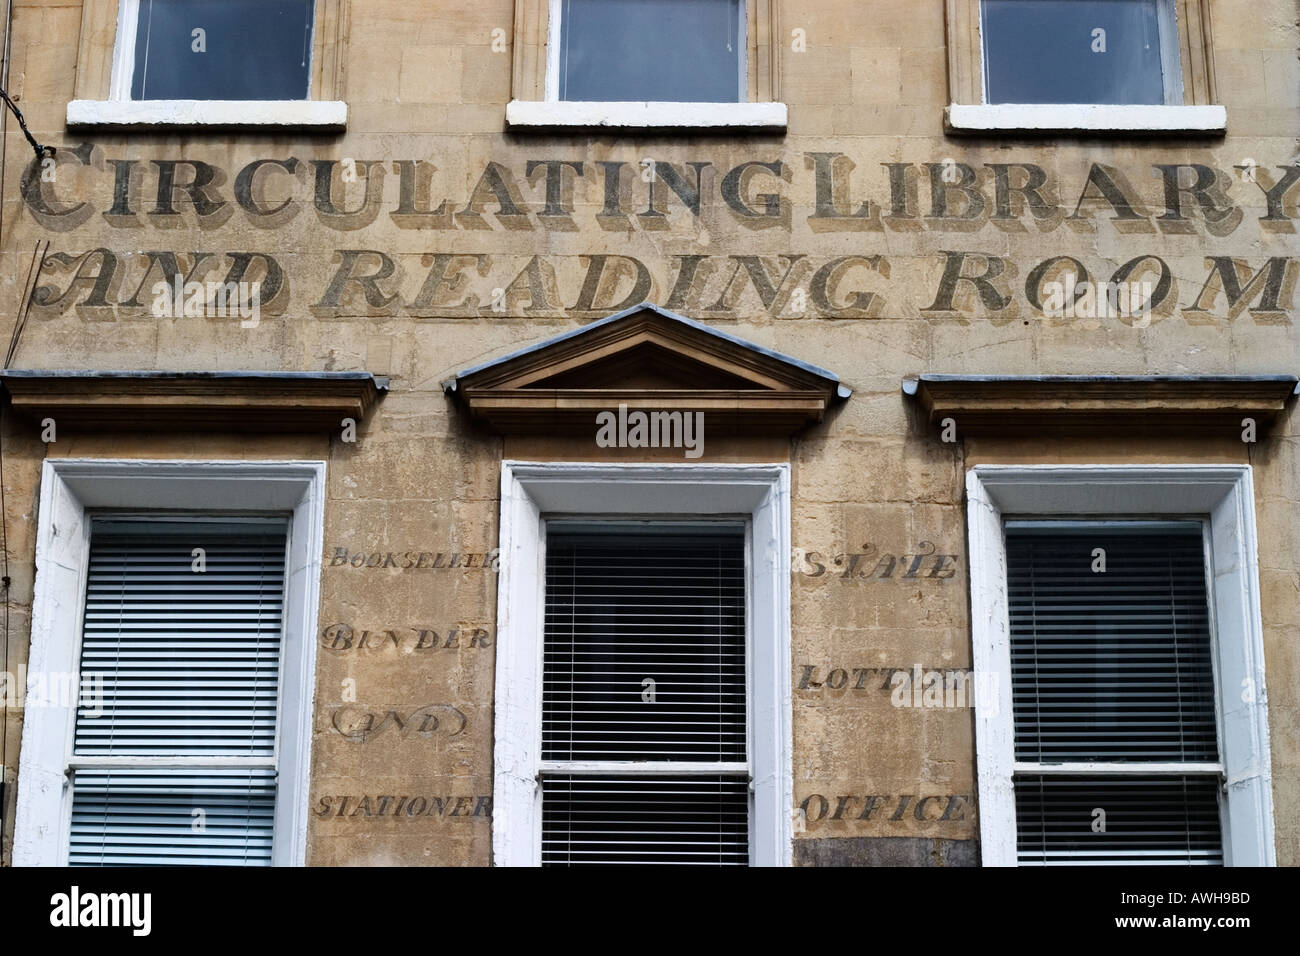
(645, 742)
(174, 755)
(1117, 756)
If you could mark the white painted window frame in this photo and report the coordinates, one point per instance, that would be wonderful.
(531, 491)
(120, 110)
(553, 111)
(1223, 494)
(70, 490)
(1173, 116)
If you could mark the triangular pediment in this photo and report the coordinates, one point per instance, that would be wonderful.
(651, 359)
(647, 365)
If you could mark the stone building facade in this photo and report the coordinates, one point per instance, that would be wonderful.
(865, 274)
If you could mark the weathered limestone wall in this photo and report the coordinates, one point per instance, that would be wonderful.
(426, 240)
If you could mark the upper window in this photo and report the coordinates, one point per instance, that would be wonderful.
(646, 63)
(667, 50)
(219, 49)
(237, 63)
(1081, 51)
(1136, 66)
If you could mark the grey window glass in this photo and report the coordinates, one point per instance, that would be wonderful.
(251, 50)
(676, 51)
(1048, 51)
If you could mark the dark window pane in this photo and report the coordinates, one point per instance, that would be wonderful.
(1042, 51)
(1140, 819)
(694, 821)
(677, 51)
(1110, 665)
(252, 50)
(645, 647)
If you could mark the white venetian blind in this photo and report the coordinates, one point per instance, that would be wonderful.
(644, 683)
(180, 658)
(136, 817)
(1112, 676)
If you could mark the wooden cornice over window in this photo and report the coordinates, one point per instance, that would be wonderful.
(650, 360)
(1001, 404)
(193, 401)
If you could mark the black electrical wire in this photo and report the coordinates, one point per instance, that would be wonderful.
(41, 151)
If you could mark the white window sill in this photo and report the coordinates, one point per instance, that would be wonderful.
(642, 115)
(302, 114)
(1084, 118)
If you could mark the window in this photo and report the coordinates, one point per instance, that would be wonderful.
(180, 657)
(678, 51)
(218, 49)
(1066, 51)
(1121, 602)
(1111, 667)
(189, 639)
(645, 63)
(1125, 65)
(211, 62)
(643, 703)
(643, 680)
